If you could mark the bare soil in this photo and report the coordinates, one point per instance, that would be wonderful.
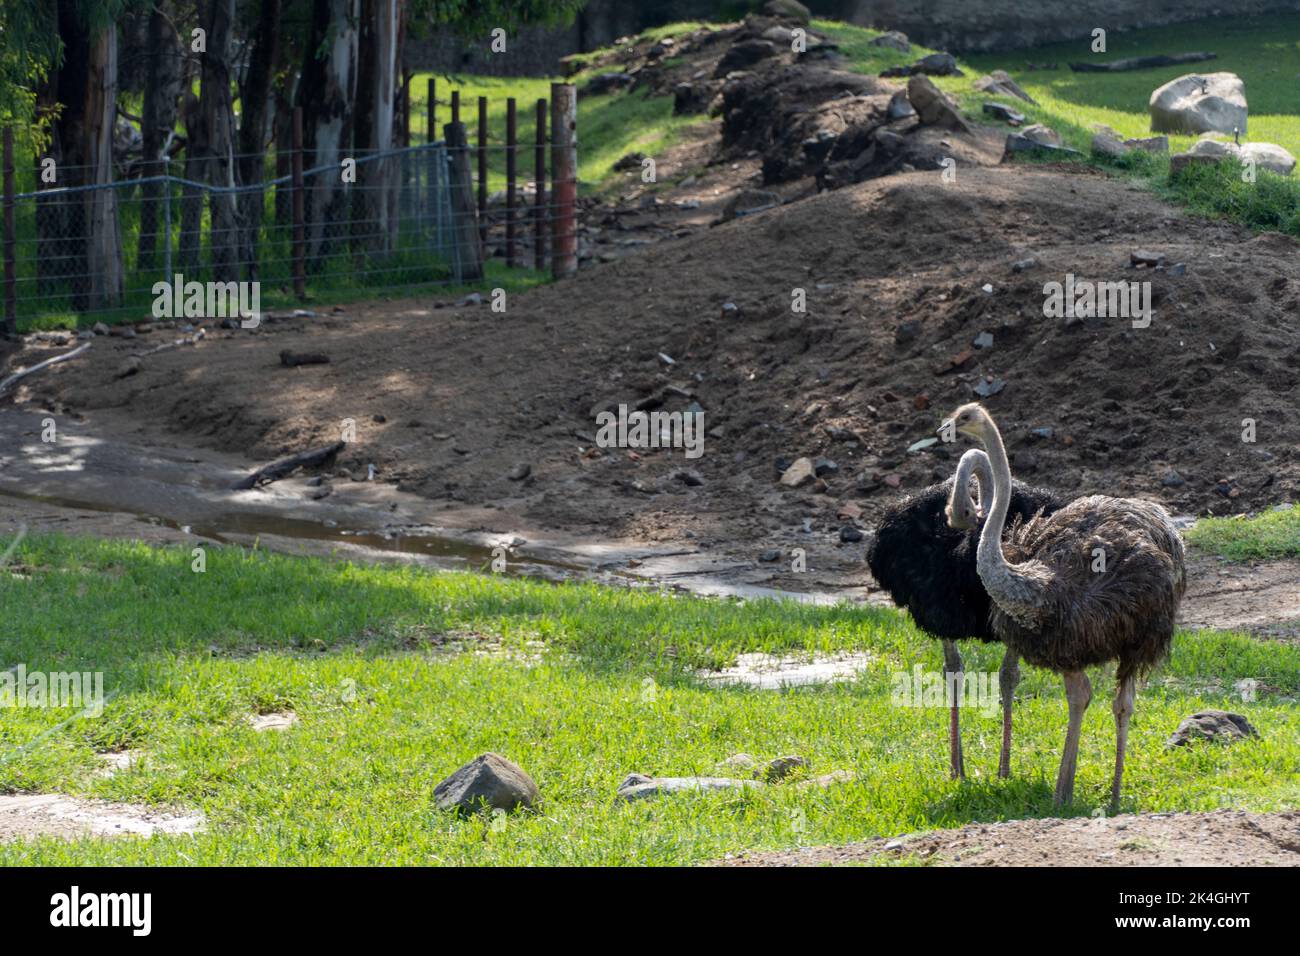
(1218, 838)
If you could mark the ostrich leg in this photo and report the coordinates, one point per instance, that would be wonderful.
(952, 678)
(1123, 708)
(1078, 692)
(1008, 678)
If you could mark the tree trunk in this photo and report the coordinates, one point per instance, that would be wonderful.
(103, 240)
(161, 97)
(373, 134)
(196, 140)
(326, 91)
(217, 106)
(255, 96)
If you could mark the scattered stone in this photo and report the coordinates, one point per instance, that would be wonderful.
(799, 473)
(122, 332)
(603, 83)
(1199, 103)
(489, 781)
(788, 10)
(1173, 480)
(1218, 725)
(1149, 144)
(907, 331)
(630, 161)
(1022, 265)
(99, 328)
(1004, 113)
(770, 555)
(741, 761)
(932, 106)
(828, 779)
(782, 767)
(1104, 144)
(638, 786)
(1019, 143)
(899, 108)
(984, 340)
(743, 55)
(747, 202)
(824, 466)
(1268, 156)
(293, 359)
(937, 64)
(990, 386)
(849, 511)
(520, 471)
(1000, 83)
(893, 480)
(730, 310)
(1180, 161)
(1045, 432)
(473, 298)
(1177, 269)
(893, 40)
(850, 534)
(323, 491)
(1042, 134)
(1141, 257)
(692, 479)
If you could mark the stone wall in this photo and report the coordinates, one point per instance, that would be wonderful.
(984, 25)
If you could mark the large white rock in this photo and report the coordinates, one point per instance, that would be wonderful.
(1269, 156)
(1200, 103)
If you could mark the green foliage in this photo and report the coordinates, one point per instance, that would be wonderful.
(1273, 534)
(472, 17)
(579, 684)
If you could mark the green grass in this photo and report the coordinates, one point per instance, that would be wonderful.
(385, 714)
(1273, 534)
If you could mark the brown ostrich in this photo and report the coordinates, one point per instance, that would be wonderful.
(1098, 580)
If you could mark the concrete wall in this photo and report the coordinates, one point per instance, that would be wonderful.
(982, 25)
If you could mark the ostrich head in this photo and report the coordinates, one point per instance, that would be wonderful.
(963, 512)
(970, 420)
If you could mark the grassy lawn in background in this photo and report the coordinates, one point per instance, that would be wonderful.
(1272, 534)
(579, 684)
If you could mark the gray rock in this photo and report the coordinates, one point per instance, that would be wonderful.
(788, 10)
(520, 471)
(489, 781)
(1199, 103)
(899, 108)
(749, 201)
(637, 786)
(1217, 725)
(743, 55)
(932, 106)
(603, 83)
(1042, 134)
(740, 761)
(1004, 113)
(99, 328)
(937, 64)
(782, 767)
(824, 466)
(799, 473)
(894, 40)
(1173, 480)
(770, 555)
(850, 534)
(1268, 156)
(1000, 83)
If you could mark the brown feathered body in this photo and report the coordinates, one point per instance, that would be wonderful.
(1086, 612)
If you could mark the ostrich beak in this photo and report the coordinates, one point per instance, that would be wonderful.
(948, 426)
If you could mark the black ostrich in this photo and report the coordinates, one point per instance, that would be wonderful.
(929, 568)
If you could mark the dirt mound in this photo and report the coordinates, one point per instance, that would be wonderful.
(1218, 838)
(449, 401)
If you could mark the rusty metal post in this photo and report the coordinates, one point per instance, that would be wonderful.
(482, 166)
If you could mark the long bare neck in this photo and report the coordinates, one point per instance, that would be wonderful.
(972, 465)
(1007, 585)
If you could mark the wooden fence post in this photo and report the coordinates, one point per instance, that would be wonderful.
(299, 211)
(539, 199)
(430, 130)
(482, 167)
(512, 145)
(11, 294)
(564, 179)
(455, 106)
(467, 250)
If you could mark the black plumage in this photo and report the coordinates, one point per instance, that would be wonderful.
(929, 569)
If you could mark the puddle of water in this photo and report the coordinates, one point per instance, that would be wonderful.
(773, 672)
(25, 816)
(274, 721)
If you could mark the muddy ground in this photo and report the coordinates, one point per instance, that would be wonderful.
(451, 403)
(1218, 838)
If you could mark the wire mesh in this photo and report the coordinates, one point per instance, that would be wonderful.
(373, 223)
